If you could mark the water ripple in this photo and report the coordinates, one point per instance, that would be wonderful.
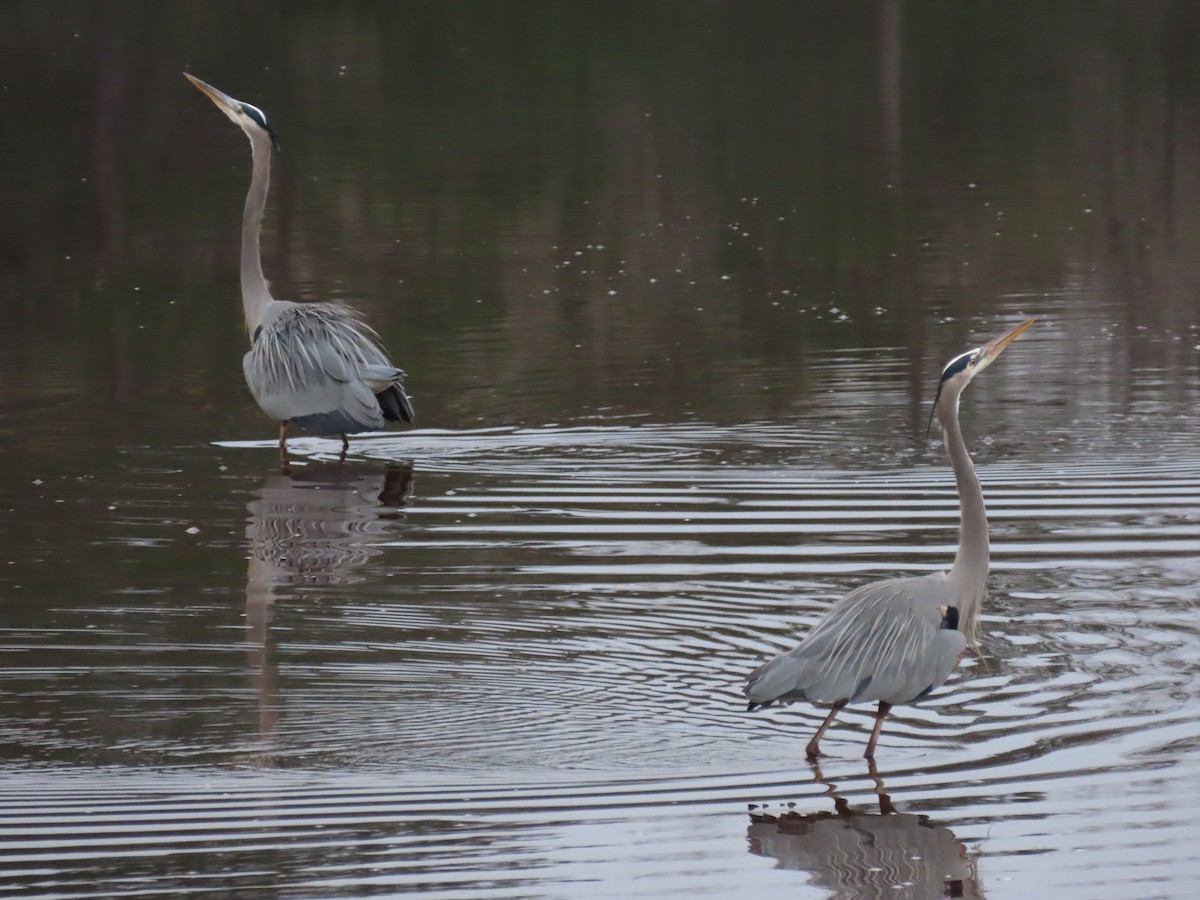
(491, 670)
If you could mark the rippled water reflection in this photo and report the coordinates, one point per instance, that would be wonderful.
(498, 661)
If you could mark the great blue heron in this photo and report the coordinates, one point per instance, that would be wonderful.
(315, 364)
(896, 641)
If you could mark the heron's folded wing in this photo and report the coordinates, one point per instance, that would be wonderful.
(300, 368)
(881, 642)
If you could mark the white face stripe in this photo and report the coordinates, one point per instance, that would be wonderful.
(250, 119)
(251, 108)
(958, 364)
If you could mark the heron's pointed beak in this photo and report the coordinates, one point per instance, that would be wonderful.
(994, 348)
(224, 102)
(987, 353)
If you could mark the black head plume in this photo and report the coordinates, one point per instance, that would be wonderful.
(953, 367)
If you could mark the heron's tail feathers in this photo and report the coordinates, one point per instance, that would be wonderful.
(395, 404)
(783, 676)
(386, 383)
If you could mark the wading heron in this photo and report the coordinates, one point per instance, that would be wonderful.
(896, 641)
(315, 364)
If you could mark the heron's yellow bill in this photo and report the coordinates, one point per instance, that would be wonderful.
(221, 99)
(994, 348)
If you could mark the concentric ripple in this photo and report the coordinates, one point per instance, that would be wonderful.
(501, 662)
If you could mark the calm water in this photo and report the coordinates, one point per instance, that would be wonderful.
(673, 284)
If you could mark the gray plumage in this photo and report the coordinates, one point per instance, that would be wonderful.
(318, 365)
(315, 364)
(896, 641)
(883, 641)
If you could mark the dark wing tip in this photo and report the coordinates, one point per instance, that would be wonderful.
(395, 404)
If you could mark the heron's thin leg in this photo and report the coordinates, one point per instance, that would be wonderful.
(345, 447)
(283, 441)
(812, 751)
(884, 709)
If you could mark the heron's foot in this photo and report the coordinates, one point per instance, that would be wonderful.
(812, 751)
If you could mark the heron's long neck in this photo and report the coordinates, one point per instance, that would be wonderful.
(969, 573)
(255, 292)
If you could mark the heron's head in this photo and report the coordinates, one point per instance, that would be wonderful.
(250, 119)
(964, 367)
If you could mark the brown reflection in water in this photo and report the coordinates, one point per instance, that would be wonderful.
(740, 188)
(859, 853)
(314, 525)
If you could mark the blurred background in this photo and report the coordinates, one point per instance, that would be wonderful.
(559, 210)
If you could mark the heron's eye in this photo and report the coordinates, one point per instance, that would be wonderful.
(958, 364)
(255, 114)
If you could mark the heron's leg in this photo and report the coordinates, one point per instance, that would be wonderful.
(812, 751)
(345, 447)
(283, 441)
(884, 709)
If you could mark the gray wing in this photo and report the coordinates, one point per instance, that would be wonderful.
(319, 366)
(883, 641)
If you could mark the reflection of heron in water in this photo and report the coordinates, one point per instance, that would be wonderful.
(867, 854)
(896, 641)
(314, 527)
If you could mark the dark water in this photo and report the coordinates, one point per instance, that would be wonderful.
(673, 284)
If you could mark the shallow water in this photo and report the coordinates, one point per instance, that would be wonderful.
(508, 662)
(672, 385)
